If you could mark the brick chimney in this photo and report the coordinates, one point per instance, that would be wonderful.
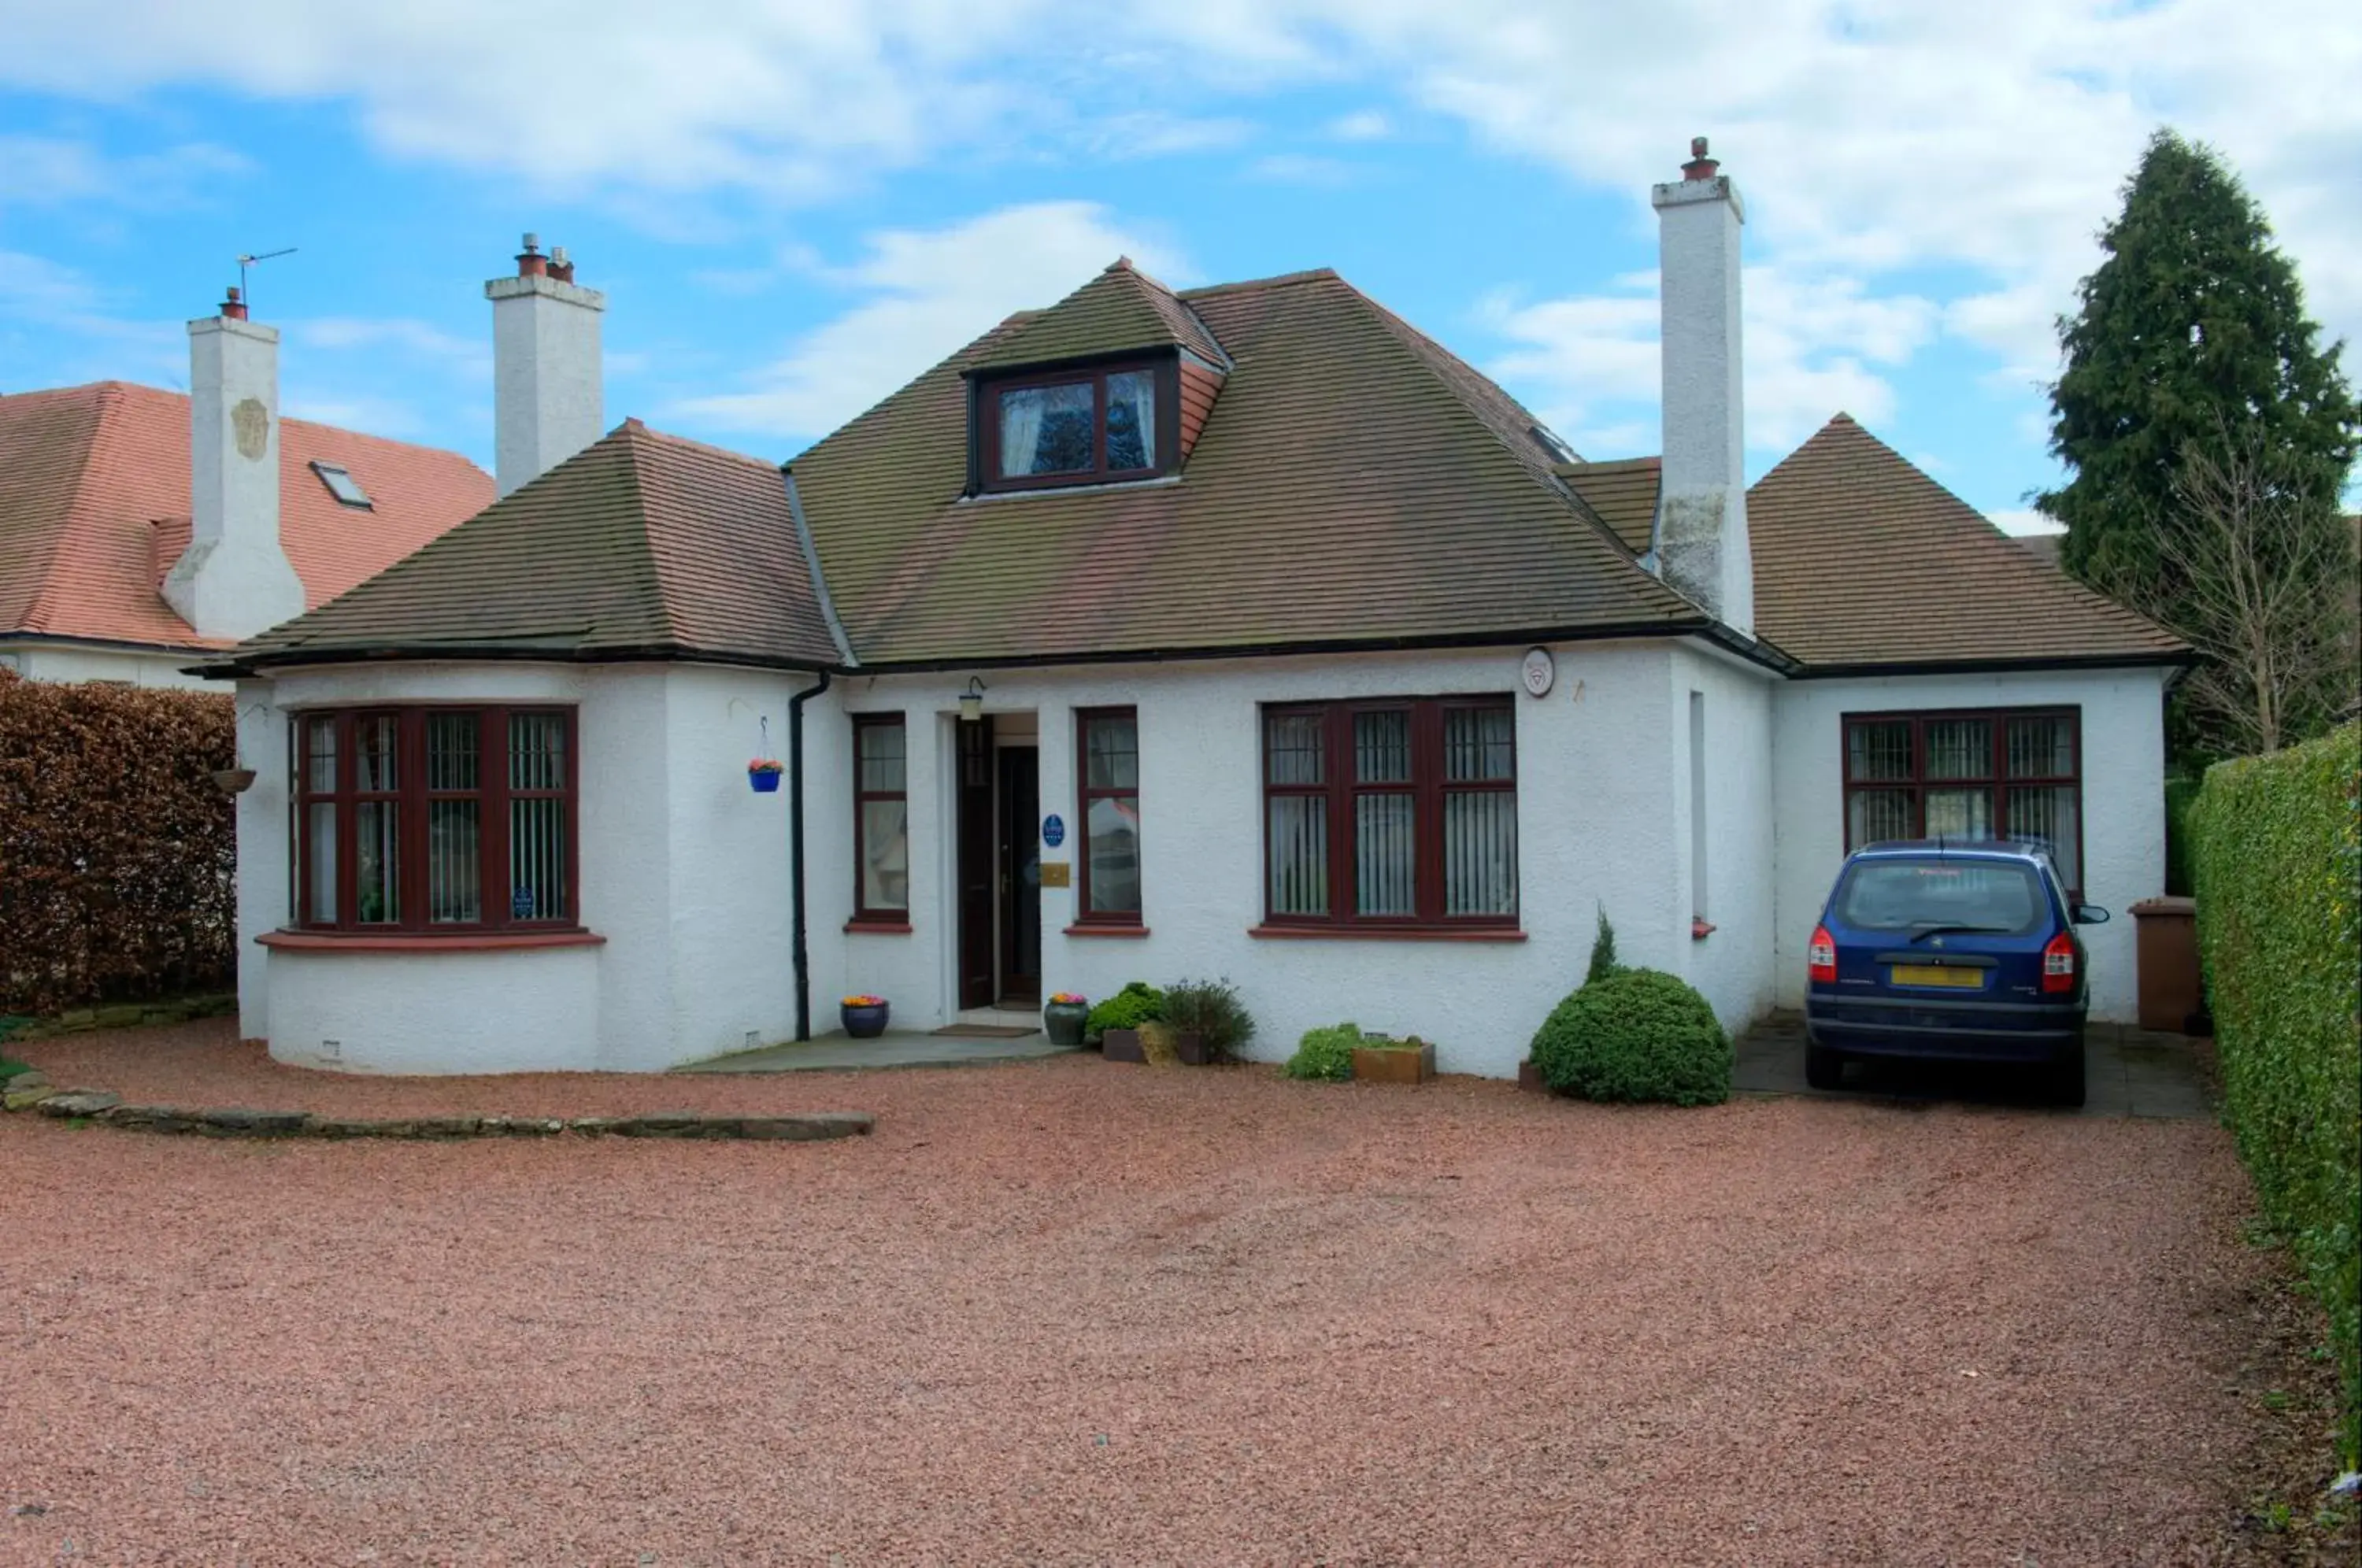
(1701, 532)
(234, 579)
(548, 400)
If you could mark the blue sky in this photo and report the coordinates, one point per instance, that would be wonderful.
(795, 207)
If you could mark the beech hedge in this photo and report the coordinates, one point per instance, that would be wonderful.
(2279, 868)
(117, 850)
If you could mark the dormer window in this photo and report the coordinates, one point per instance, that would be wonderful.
(1096, 424)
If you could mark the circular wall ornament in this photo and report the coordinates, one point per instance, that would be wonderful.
(1539, 671)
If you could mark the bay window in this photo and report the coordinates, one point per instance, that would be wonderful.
(435, 820)
(1391, 814)
(2008, 773)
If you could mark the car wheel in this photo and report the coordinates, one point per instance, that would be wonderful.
(1823, 1066)
(2067, 1077)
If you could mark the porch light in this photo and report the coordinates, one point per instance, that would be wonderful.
(971, 701)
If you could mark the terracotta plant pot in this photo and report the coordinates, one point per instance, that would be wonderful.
(865, 1022)
(1122, 1045)
(1063, 1021)
(1393, 1064)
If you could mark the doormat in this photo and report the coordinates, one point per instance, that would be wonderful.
(984, 1031)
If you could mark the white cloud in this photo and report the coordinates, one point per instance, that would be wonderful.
(1362, 125)
(1812, 346)
(46, 171)
(926, 292)
(2023, 521)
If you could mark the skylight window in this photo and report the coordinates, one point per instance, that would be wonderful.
(341, 484)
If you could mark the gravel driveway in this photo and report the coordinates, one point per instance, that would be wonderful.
(1078, 1312)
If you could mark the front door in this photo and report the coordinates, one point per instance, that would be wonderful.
(978, 981)
(1021, 876)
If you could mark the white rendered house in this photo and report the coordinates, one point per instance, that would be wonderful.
(1243, 632)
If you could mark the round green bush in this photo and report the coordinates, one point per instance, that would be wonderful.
(1635, 1035)
(1136, 1004)
(1325, 1052)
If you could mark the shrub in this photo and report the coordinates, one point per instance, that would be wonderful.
(1635, 1035)
(1210, 1009)
(1602, 952)
(1137, 1003)
(117, 851)
(2181, 794)
(1325, 1052)
(2277, 854)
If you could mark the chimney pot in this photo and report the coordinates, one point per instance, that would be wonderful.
(233, 307)
(546, 396)
(1699, 167)
(561, 266)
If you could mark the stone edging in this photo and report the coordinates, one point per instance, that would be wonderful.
(241, 1121)
(127, 1015)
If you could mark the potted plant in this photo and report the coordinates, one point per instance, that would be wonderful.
(1209, 1024)
(1064, 1016)
(864, 1016)
(762, 773)
(1382, 1059)
(1116, 1021)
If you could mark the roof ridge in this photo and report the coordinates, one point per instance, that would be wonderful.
(1277, 279)
(649, 432)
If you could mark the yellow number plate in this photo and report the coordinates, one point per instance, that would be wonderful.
(1929, 975)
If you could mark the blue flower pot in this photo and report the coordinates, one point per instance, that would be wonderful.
(865, 1022)
(764, 783)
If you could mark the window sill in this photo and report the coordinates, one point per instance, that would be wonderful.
(1386, 934)
(878, 927)
(1132, 932)
(458, 942)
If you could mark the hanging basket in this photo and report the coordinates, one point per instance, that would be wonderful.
(763, 777)
(233, 780)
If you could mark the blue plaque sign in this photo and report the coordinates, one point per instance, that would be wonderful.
(521, 903)
(1053, 831)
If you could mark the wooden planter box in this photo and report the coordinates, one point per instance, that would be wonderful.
(1393, 1064)
(1190, 1046)
(1122, 1045)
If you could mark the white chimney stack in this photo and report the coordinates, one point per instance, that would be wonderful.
(234, 579)
(547, 402)
(1701, 541)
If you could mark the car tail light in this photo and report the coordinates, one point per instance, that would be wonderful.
(1821, 957)
(2058, 964)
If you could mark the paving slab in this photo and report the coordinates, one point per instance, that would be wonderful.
(2127, 1072)
(841, 1053)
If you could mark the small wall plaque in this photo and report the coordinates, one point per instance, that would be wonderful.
(1539, 671)
(1055, 873)
(1053, 831)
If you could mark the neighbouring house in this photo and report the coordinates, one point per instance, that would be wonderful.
(139, 528)
(1238, 631)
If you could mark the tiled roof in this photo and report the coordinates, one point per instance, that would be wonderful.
(1122, 308)
(1624, 494)
(1861, 560)
(1356, 484)
(641, 544)
(2042, 547)
(87, 473)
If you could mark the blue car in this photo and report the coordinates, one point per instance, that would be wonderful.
(1949, 951)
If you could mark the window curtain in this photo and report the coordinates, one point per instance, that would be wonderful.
(1021, 431)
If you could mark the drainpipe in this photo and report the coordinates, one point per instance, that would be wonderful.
(796, 850)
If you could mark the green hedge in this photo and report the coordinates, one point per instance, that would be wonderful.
(2181, 794)
(2279, 857)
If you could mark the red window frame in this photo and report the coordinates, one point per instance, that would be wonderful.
(1997, 776)
(898, 918)
(410, 799)
(1428, 787)
(1086, 795)
(1166, 434)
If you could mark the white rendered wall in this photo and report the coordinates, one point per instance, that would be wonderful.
(2124, 800)
(1732, 967)
(68, 662)
(1596, 814)
(263, 850)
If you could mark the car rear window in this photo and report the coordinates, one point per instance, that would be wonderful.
(1905, 895)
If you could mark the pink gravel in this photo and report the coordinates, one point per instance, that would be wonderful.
(1079, 1312)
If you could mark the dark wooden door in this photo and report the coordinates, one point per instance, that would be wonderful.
(1021, 876)
(976, 981)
